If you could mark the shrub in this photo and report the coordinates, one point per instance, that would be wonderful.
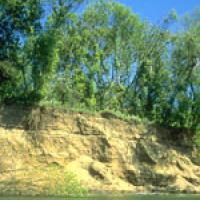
(64, 183)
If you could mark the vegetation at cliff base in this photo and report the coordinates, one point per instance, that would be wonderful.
(103, 58)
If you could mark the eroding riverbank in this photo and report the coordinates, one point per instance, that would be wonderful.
(40, 148)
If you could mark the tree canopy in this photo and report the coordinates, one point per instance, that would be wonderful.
(105, 57)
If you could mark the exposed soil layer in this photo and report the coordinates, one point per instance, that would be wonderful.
(105, 154)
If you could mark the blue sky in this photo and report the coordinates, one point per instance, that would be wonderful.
(155, 10)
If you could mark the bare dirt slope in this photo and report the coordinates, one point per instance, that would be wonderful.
(105, 154)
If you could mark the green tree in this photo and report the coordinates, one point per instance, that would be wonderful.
(184, 101)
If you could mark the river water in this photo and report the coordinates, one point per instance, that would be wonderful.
(136, 197)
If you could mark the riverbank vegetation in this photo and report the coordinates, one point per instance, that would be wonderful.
(54, 181)
(101, 57)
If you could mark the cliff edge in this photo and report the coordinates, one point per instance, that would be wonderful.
(38, 146)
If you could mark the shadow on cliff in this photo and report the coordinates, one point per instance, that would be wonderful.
(14, 116)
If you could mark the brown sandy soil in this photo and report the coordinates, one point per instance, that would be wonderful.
(105, 154)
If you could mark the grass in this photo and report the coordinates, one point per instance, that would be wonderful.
(64, 183)
(52, 180)
(110, 114)
(68, 108)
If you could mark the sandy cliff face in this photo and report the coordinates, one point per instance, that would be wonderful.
(37, 147)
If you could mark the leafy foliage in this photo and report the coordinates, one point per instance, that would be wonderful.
(105, 58)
